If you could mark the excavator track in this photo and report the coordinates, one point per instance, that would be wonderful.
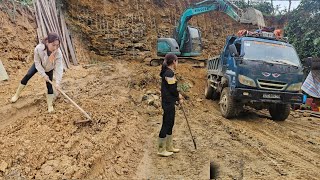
(196, 62)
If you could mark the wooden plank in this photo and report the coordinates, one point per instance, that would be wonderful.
(39, 33)
(70, 45)
(55, 29)
(55, 14)
(52, 17)
(3, 73)
(73, 55)
(63, 47)
(42, 26)
(47, 17)
(64, 36)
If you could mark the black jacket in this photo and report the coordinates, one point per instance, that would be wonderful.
(169, 91)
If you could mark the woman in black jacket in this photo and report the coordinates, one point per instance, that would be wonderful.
(169, 97)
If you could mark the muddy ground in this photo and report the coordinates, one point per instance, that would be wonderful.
(121, 141)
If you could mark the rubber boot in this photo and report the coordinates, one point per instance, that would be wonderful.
(170, 147)
(49, 102)
(162, 148)
(18, 92)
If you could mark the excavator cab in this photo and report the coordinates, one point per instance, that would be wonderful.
(192, 45)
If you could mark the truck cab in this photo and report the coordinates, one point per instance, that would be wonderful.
(259, 71)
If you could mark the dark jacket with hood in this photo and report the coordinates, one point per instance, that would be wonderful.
(169, 91)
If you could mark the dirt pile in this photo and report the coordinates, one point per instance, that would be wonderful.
(131, 28)
(17, 35)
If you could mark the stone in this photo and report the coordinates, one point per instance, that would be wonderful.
(157, 104)
(52, 140)
(144, 97)
(296, 115)
(306, 114)
(150, 102)
(155, 97)
(3, 73)
(46, 169)
(3, 166)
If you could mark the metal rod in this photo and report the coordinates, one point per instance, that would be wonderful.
(194, 142)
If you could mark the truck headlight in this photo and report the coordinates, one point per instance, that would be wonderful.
(295, 87)
(246, 81)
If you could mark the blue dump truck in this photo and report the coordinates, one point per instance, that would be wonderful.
(260, 71)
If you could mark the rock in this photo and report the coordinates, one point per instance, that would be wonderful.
(157, 104)
(199, 100)
(3, 166)
(296, 115)
(144, 97)
(306, 114)
(155, 97)
(147, 60)
(150, 101)
(52, 140)
(138, 45)
(149, 92)
(46, 169)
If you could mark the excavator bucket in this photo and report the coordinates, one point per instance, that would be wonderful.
(252, 16)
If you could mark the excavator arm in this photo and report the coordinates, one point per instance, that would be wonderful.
(251, 16)
(186, 41)
(201, 8)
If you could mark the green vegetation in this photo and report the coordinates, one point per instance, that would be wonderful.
(303, 28)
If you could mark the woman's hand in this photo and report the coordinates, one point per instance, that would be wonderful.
(58, 87)
(52, 57)
(180, 99)
(47, 78)
(180, 96)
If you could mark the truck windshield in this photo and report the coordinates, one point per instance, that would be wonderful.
(276, 53)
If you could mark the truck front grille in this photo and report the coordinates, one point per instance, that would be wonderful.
(272, 85)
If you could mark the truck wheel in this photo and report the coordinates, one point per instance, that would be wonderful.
(279, 112)
(227, 104)
(210, 92)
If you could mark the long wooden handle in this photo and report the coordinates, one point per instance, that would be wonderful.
(75, 104)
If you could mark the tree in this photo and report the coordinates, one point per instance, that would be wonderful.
(289, 5)
(303, 28)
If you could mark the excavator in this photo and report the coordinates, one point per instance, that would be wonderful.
(186, 42)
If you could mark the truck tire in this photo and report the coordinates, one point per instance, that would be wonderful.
(210, 92)
(227, 104)
(279, 112)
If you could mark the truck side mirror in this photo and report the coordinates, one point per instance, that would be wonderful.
(233, 50)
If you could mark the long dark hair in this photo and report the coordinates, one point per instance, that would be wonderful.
(168, 60)
(50, 38)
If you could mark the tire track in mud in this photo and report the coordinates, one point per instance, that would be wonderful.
(250, 146)
(10, 113)
(283, 144)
